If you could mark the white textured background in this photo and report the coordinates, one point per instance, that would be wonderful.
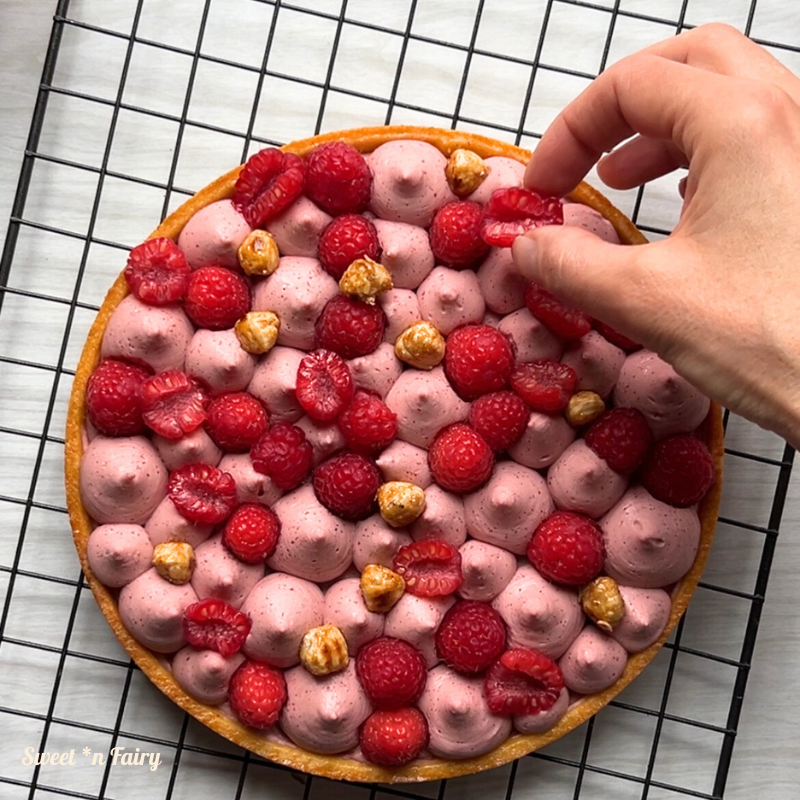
(31, 330)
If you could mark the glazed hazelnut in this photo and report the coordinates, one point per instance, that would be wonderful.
(420, 345)
(381, 588)
(258, 253)
(583, 408)
(365, 279)
(324, 650)
(257, 331)
(174, 561)
(602, 602)
(465, 172)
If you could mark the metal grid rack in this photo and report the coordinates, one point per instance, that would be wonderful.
(210, 81)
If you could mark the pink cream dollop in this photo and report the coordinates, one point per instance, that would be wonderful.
(282, 608)
(649, 544)
(323, 715)
(118, 553)
(154, 335)
(122, 479)
(213, 236)
(459, 721)
(152, 611)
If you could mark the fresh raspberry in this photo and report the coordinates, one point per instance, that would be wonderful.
(513, 211)
(173, 404)
(500, 418)
(544, 385)
(455, 234)
(216, 298)
(157, 272)
(324, 385)
(202, 493)
(477, 360)
(251, 533)
(621, 437)
(523, 681)
(392, 672)
(284, 454)
(347, 238)
(368, 424)
(269, 182)
(114, 398)
(213, 624)
(563, 320)
(615, 337)
(350, 328)
(567, 548)
(678, 471)
(235, 421)
(346, 485)
(338, 178)
(430, 567)
(471, 637)
(460, 459)
(257, 693)
(393, 737)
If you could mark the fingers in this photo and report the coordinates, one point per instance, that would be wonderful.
(638, 161)
(722, 49)
(605, 280)
(621, 102)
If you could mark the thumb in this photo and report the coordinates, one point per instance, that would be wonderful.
(607, 281)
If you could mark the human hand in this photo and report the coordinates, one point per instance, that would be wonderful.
(720, 298)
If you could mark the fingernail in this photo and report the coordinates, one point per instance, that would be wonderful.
(525, 254)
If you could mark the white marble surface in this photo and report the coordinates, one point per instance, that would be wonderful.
(32, 330)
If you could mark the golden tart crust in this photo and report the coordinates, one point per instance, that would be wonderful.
(341, 767)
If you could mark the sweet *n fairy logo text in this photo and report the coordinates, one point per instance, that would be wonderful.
(117, 756)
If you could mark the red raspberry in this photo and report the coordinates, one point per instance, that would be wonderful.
(173, 404)
(615, 337)
(514, 211)
(235, 421)
(460, 459)
(523, 682)
(500, 418)
(344, 240)
(471, 637)
(455, 234)
(114, 398)
(216, 298)
(338, 178)
(284, 454)
(544, 385)
(346, 485)
(257, 693)
(157, 272)
(202, 493)
(621, 437)
(678, 471)
(350, 328)
(213, 624)
(368, 424)
(477, 359)
(430, 567)
(269, 182)
(324, 385)
(563, 320)
(567, 548)
(392, 672)
(251, 533)
(393, 737)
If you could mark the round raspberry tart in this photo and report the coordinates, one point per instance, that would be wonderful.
(357, 497)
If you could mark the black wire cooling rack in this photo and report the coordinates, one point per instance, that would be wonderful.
(214, 80)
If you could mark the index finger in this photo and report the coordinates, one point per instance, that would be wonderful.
(644, 94)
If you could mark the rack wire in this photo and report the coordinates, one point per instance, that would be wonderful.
(140, 103)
